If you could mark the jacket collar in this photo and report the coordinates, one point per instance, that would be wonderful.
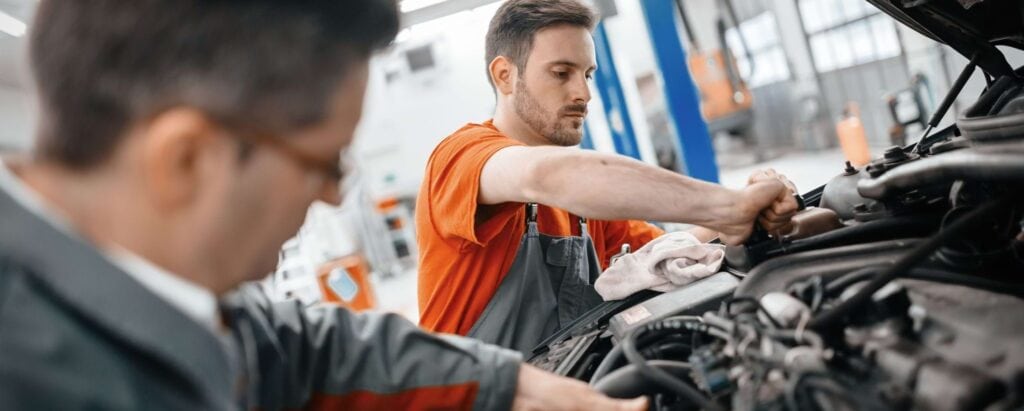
(75, 272)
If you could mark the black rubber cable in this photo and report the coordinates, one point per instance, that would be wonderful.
(937, 276)
(626, 382)
(662, 378)
(915, 256)
(606, 365)
(615, 354)
(863, 232)
(847, 280)
(658, 351)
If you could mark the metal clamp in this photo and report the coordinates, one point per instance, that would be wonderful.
(625, 250)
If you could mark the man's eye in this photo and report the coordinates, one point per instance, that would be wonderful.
(562, 74)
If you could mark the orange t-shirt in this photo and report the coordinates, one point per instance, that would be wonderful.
(466, 248)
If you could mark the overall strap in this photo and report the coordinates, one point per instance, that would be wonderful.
(583, 226)
(531, 212)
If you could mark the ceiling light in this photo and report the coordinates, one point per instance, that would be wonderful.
(410, 5)
(11, 25)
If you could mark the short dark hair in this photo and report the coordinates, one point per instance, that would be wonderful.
(271, 65)
(516, 22)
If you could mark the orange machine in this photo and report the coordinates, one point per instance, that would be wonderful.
(722, 92)
(726, 101)
(346, 282)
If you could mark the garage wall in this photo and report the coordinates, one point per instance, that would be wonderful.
(408, 113)
(17, 119)
(867, 84)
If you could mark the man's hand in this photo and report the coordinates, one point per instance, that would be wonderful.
(539, 390)
(768, 199)
(776, 219)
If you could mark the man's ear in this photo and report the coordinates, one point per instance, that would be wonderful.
(502, 72)
(174, 144)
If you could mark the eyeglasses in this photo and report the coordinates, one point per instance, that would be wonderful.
(334, 172)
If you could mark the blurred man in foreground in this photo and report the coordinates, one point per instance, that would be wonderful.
(181, 143)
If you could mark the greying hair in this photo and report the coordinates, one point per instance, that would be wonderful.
(101, 66)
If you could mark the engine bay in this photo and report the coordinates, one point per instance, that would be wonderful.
(901, 287)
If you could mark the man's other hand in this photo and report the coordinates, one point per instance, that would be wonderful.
(539, 390)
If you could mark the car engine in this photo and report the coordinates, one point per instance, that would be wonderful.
(900, 287)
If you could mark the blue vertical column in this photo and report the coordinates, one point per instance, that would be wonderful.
(680, 92)
(587, 143)
(606, 81)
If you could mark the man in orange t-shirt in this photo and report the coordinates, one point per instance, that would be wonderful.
(504, 254)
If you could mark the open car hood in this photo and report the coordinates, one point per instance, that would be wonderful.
(971, 27)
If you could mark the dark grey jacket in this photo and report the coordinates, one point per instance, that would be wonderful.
(77, 333)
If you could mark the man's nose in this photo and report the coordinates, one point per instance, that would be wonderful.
(581, 91)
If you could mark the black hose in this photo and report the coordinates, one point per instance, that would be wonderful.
(932, 275)
(606, 365)
(626, 382)
(928, 247)
(939, 276)
(658, 351)
(914, 225)
(612, 359)
(847, 280)
(663, 378)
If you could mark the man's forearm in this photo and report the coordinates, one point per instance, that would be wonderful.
(703, 234)
(610, 187)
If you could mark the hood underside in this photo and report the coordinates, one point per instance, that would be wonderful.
(971, 27)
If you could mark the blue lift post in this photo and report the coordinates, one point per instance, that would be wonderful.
(680, 92)
(587, 143)
(606, 81)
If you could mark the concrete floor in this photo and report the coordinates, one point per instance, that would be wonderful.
(807, 170)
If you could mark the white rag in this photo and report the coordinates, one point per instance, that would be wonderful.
(666, 263)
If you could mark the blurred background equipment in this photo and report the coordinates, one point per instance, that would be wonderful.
(726, 101)
(851, 136)
(346, 281)
(909, 109)
(342, 254)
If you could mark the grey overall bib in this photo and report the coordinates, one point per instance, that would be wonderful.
(549, 284)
